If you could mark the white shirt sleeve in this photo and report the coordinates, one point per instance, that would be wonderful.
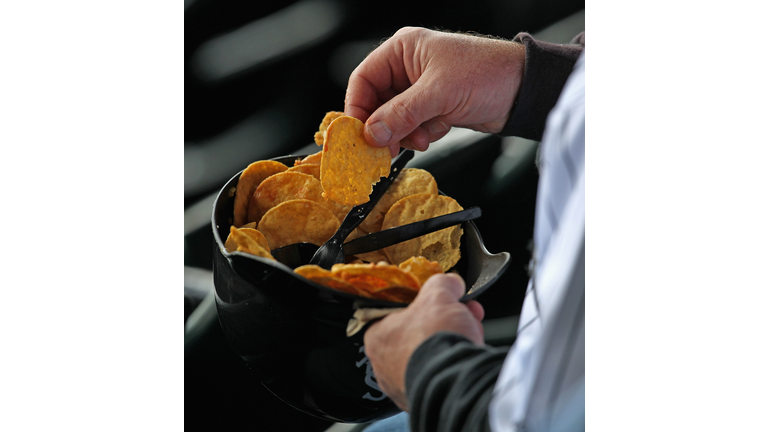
(559, 232)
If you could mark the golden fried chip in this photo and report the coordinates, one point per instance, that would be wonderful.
(280, 188)
(298, 221)
(329, 117)
(290, 185)
(379, 281)
(255, 235)
(311, 169)
(340, 210)
(375, 277)
(251, 177)
(441, 246)
(230, 244)
(350, 167)
(374, 257)
(395, 294)
(311, 270)
(354, 234)
(410, 181)
(421, 267)
(249, 225)
(247, 240)
(324, 277)
(311, 159)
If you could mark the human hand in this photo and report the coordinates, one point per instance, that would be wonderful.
(418, 84)
(390, 342)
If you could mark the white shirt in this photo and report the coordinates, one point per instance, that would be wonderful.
(544, 372)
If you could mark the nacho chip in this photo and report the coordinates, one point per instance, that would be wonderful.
(298, 221)
(280, 188)
(421, 267)
(354, 234)
(251, 177)
(380, 281)
(311, 159)
(311, 169)
(324, 277)
(410, 181)
(255, 235)
(441, 246)
(290, 185)
(340, 210)
(247, 240)
(350, 167)
(396, 294)
(329, 117)
(311, 270)
(375, 277)
(374, 257)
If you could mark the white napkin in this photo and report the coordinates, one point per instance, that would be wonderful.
(361, 317)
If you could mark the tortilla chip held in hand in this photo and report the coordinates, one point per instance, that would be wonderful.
(350, 167)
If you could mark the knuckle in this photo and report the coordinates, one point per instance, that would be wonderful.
(405, 116)
(410, 33)
(407, 30)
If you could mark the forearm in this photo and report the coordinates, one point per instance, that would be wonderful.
(547, 67)
(449, 383)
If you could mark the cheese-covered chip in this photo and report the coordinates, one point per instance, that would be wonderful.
(377, 281)
(326, 278)
(421, 267)
(282, 187)
(232, 240)
(374, 257)
(311, 169)
(410, 181)
(441, 246)
(350, 167)
(298, 221)
(314, 158)
(396, 294)
(249, 180)
(375, 277)
(247, 240)
(289, 185)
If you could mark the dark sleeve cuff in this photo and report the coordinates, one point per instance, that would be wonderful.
(547, 67)
(449, 383)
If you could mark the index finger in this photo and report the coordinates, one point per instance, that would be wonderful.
(376, 79)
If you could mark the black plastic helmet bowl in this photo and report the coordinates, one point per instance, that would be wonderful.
(291, 332)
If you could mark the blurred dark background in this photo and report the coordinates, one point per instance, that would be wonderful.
(258, 77)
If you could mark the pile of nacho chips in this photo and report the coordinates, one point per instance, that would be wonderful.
(276, 205)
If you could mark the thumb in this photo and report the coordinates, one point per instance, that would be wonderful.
(448, 284)
(401, 115)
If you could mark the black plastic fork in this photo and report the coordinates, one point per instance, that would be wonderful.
(332, 251)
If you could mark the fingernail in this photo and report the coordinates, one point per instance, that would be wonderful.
(439, 127)
(380, 132)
